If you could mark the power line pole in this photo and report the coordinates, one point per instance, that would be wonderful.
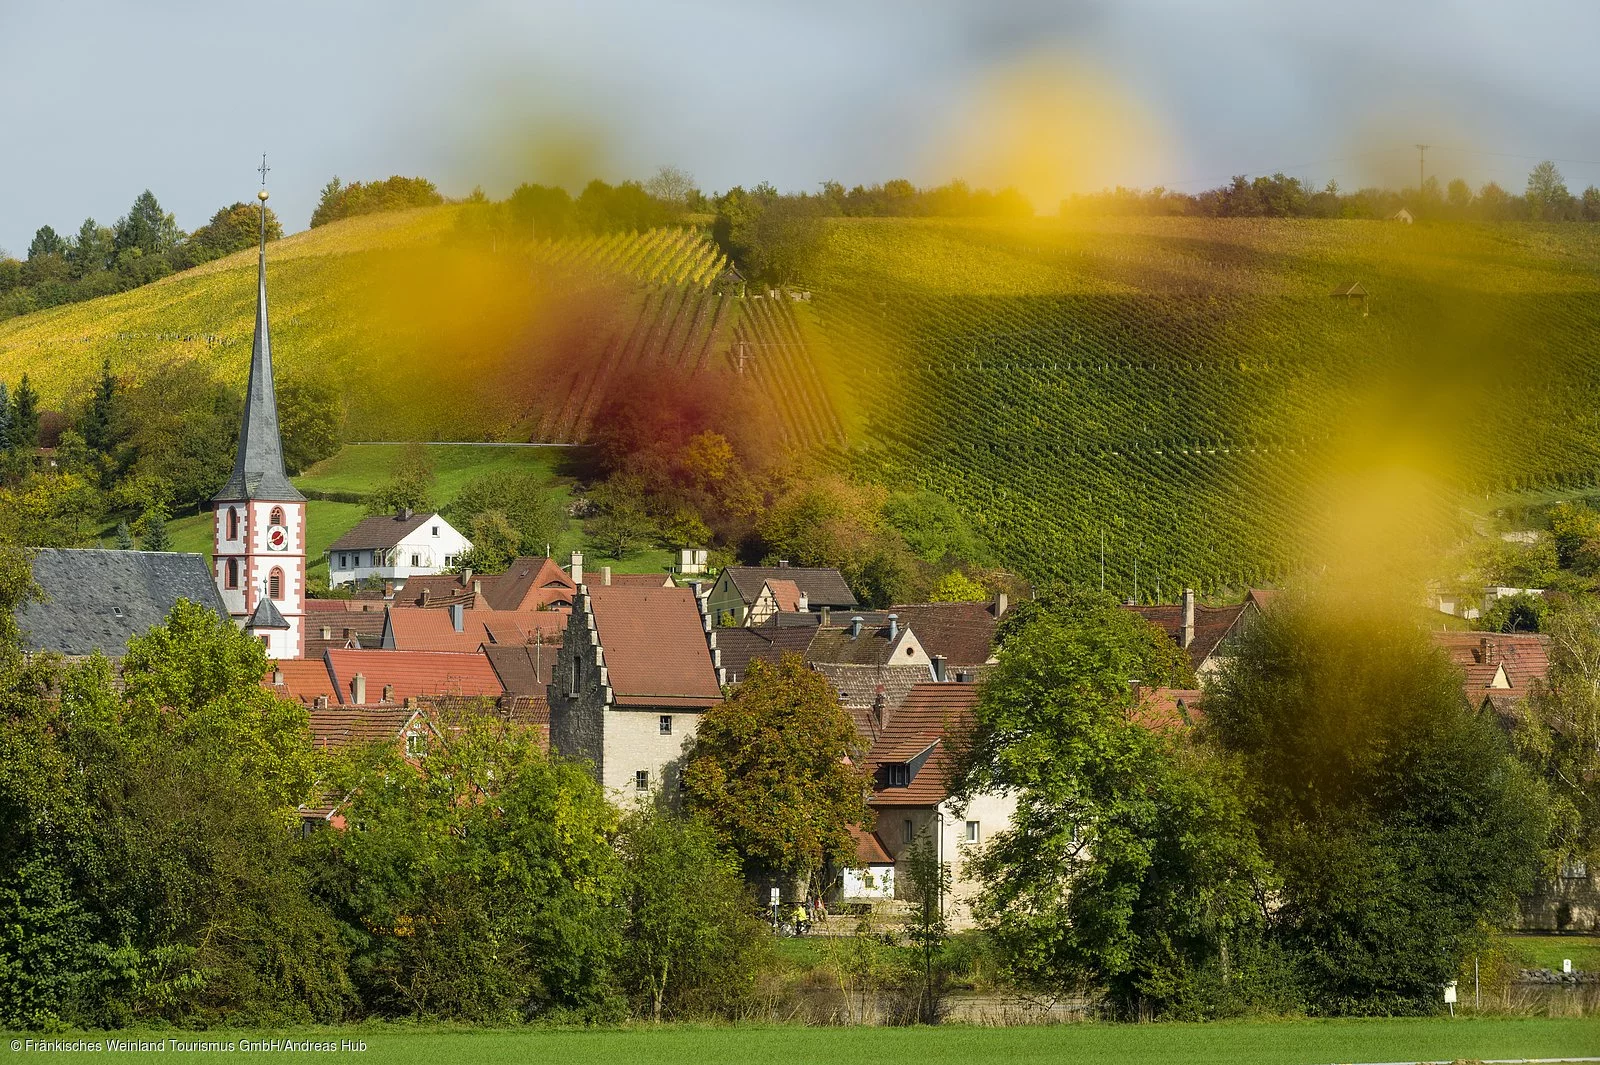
(1422, 151)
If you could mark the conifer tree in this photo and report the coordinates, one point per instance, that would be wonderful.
(24, 430)
(97, 420)
(5, 417)
(155, 532)
(124, 537)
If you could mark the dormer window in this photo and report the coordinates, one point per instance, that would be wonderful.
(899, 775)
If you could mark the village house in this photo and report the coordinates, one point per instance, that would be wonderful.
(395, 547)
(98, 600)
(911, 763)
(348, 624)
(635, 673)
(738, 596)
(1203, 631)
(527, 583)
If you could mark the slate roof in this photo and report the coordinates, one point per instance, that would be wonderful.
(962, 632)
(96, 600)
(834, 644)
(823, 586)
(931, 713)
(655, 646)
(872, 694)
(740, 646)
(258, 460)
(380, 532)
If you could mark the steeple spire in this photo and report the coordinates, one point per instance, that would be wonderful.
(258, 464)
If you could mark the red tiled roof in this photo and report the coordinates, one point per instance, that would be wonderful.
(339, 606)
(641, 580)
(655, 645)
(1211, 624)
(304, 679)
(1166, 709)
(415, 629)
(869, 848)
(962, 632)
(930, 714)
(785, 593)
(364, 627)
(1482, 655)
(341, 726)
(413, 673)
(527, 584)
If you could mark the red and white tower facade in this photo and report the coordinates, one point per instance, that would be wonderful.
(259, 538)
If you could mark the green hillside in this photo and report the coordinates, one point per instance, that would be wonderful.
(1185, 387)
(1188, 386)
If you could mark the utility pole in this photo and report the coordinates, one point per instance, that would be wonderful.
(1422, 152)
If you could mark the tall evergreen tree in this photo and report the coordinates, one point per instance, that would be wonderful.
(24, 433)
(96, 426)
(124, 537)
(45, 242)
(5, 417)
(90, 250)
(156, 537)
(146, 227)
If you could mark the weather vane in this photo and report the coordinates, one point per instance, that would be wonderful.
(263, 168)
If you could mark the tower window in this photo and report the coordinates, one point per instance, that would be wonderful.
(233, 571)
(275, 584)
(666, 724)
(233, 523)
(277, 516)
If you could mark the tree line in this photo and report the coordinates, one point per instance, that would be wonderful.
(1545, 198)
(142, 246)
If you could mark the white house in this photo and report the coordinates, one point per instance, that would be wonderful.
(395, 546)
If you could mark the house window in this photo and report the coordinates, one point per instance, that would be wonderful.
(277, 516)
(275, 584)
(972, 832)
(344, 561)
(436, 530)
(233, 573)
(899, 775)
(416, 744)
(641, 780)
(908, 831)
(233, 523)
(666, 724)
(416, 560)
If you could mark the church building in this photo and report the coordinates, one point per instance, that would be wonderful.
(259, 537)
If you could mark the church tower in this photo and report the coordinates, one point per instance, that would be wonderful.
(259, 538)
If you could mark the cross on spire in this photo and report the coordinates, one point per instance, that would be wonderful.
(263, 168)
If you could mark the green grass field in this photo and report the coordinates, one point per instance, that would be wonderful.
(1547, 952)
(1244, 1043)
(362, 467)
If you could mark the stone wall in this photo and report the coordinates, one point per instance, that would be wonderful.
(1565, 904)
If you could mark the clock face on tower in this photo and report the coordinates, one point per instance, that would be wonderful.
(277, 538)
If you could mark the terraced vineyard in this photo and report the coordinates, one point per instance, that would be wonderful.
(433, 337)
(1188, 388)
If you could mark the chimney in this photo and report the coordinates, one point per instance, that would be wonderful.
(1136, 689)
(1001, 602)
(477, 587)
(1486, 651)
(404, 514)
(963, 677)
(577, 567)
(827, 615)
(466, 577)
(388, 589)
(388, 693)
(803, 604)
(605, 576)
(938, 668)
(894, 627)
(424, 597)
(855, 627)
(358, 689)
(277, 678)
(1188, 616)
(458, 617)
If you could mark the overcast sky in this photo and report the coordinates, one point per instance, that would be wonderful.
(99, 100)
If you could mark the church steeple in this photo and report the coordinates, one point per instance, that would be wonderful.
(258, 464)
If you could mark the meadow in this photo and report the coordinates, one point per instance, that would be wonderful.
(359, 468)
(1224, 1043)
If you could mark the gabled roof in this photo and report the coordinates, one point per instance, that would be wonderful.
(1349, 289)
(1212, 624)
(931, 714)
(344, 726)
(740, 646)
(381, 531)
(785, 593)
(872, 694)
(962, 632)
(1505, 665)
(654, 645)
(525, 670)
(823, 586)
(412, 673)
(869, 848)
(95, 600)
(266, 616)
(642, 580)
(835, 645)
(258, 459)
(365, 627)
(303, 679)
(410, 628)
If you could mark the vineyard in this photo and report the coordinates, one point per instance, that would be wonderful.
(1187, 388)
(433, 337)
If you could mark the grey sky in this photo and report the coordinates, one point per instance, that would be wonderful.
(99, 100)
